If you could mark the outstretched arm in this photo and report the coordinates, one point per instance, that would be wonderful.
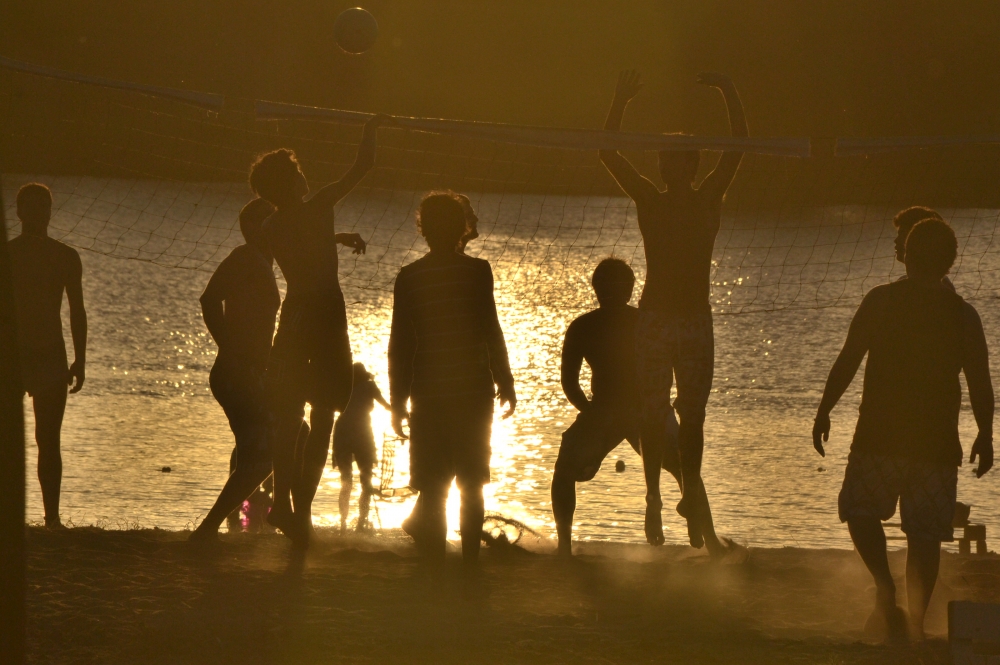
(976, 365)
(330, 195)
(380, 399)
(620, 168)
(718, 181)
(843, 372)
(572, 361)
(77, 324)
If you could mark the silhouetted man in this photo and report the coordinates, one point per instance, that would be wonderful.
(239, 306)
(605, 338)
(674, 338)
(42, 269)
(918, 336)
(353, 441)
(311, 354)
(904, 221)
(445, 339)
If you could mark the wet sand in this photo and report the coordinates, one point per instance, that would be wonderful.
(147, 596)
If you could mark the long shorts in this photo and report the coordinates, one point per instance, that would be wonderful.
(925, 491)
(44, 370)
(311, 356)
(592, 436)
(450, 441)
(239, 389)
(669, 346)
(353, 441)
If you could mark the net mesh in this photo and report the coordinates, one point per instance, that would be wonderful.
(162, 180)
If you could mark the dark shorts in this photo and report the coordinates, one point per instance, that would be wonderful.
(239, 389)
(925, 491)
(592, 436)
(44, 370)
(670, 346)
(311, 356)
(354, 441)
(450, 441)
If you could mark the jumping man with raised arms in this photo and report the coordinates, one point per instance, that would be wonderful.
(674, 336)
(311, 356)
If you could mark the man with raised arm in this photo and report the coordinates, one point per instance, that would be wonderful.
(239, 305)
(43, 269)
(674, 335)
(311, 356)
(605, 338)
(918, 335)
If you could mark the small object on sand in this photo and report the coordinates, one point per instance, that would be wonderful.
(820, 469)
(620, 465)
(165, 469)
(973, 632)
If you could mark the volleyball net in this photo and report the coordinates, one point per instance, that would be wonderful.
(160, 175)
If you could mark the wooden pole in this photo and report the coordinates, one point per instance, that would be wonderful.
(13, 615)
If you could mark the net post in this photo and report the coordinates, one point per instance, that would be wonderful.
(13, 615)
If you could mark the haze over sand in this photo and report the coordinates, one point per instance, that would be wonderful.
(149, 597)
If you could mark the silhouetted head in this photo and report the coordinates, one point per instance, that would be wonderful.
(931, 249)
(34, 208)
(277, 177)
(360, 373)
(904, 221)
(471, 222)
(613, 282)
(252, 219)
(678, 168)
(441, 220)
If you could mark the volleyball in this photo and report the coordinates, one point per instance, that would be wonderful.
(355, 30)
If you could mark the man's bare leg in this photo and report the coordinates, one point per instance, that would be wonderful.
(694, 503)
(869, 539)
(344, 500)
(240, 485)
(365, 501)
(283, 444)
(471, 522)
(310, 464)
(49, 407)
(563, 508)
(923, 559)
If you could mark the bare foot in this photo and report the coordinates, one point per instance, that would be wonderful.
(565, 549)
(730, 552)
(54, 523)
(887, 625)
(283, 520)
(654, 522)
(205, 535)
(695, 536)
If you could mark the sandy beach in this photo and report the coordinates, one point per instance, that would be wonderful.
(147, 596)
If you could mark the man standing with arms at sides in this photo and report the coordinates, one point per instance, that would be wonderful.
(448, 359)
(239, 306)
(42, 269)
(674, 337)
(311, 355)
(605, 338)
(918, 336)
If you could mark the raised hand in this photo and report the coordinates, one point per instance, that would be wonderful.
(983, 449)
(76, 371)
(714, 79)
(628, 86)
(354, 241)
(821, 432)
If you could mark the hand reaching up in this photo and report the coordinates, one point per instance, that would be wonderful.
(628, 86)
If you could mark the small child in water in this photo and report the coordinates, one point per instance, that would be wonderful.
(353, 439)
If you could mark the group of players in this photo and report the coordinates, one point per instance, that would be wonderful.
(448, 363)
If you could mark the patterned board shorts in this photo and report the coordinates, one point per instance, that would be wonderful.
(681, 346)
(873, 484)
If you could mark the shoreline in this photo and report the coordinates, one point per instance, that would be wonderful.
(149, 596)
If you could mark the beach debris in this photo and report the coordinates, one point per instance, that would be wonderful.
(165, 469)
(620, 466)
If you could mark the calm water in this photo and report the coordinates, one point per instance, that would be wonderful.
(147, 405)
